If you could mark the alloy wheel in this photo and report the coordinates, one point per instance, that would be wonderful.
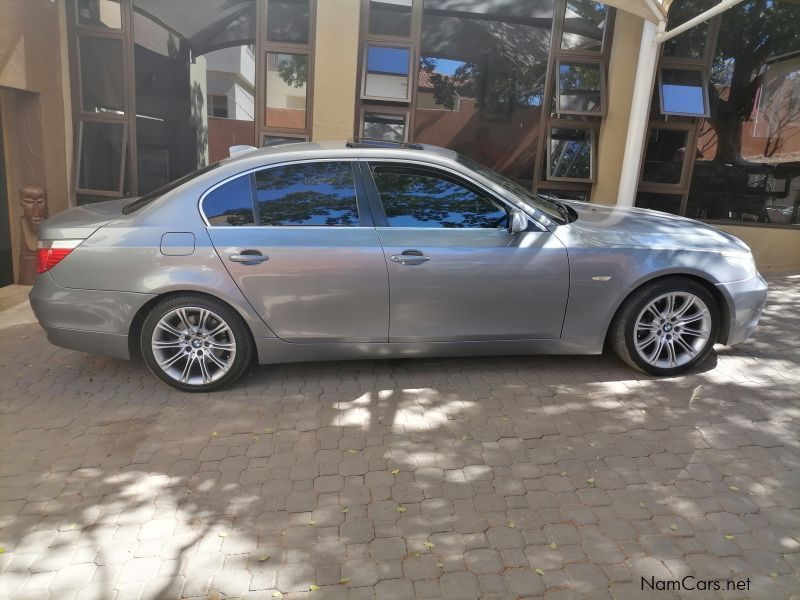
(672, 330)
(193, 345)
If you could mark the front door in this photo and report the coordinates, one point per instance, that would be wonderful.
(456, 273)
(307, 258)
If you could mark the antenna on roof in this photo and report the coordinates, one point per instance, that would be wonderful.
(234, 150)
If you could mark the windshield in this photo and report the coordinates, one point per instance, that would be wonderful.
(554, 210)
(158, 192)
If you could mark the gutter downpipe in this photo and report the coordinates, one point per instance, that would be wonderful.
(652, 37)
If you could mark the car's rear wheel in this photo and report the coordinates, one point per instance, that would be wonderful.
(195, 343)
(667, 326)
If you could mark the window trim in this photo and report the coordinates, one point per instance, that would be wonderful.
(566, 124)
(559, 19)
(376, 204)
(703, 86)
(364, 215)
(585, 61)
(382, 109)
(365, 70)
(691, 143)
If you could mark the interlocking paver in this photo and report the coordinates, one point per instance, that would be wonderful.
(454, 478)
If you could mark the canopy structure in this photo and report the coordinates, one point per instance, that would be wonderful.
(654, 33)
(206, 25)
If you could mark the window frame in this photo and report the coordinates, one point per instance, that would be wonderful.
(376, 203)
(580, 61)
(567, 124)
(363, 206)
(558, 30)
(383, 109)
(691, 142)
(365, 70)
(264, 47)
(703, 86)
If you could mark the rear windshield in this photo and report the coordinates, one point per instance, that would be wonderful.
(158, 192)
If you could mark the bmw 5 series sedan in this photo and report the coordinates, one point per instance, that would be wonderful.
(316, 251)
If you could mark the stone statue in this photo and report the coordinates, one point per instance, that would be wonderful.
(33, 201)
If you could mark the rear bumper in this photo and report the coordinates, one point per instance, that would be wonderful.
(94, 321)
(746, 300)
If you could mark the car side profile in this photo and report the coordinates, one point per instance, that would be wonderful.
(321, 251)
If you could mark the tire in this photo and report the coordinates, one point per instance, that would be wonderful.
(198, 331)
(686, 330)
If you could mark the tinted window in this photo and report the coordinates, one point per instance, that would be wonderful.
(421, 198)
(288, 21)
(321, 193)
(231, 203)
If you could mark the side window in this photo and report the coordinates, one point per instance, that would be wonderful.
(418, 197)
(231, 203)
(317, 194)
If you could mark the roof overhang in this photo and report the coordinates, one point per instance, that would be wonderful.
(649, 10)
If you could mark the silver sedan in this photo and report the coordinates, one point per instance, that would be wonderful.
(331, 251)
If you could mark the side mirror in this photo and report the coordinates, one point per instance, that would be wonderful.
(519, 221)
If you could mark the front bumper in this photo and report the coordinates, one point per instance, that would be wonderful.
(93, 321)
(746, 300)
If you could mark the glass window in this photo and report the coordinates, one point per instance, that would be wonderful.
(665, 156)
(692, 43)
(316, 194)
(384, 126)
(669, 203)
(480, 83)
(102, 87)
(279, 140)
(231, 203)
(584, 24)
(102, 152)
(390, 17)
(579, 87)
(387, 73)
(682, 92)
(286, 86)
(99, 13)
(422, 198)
(288, 21)
(570, 154)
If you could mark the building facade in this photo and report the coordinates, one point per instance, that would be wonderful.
(102, 99)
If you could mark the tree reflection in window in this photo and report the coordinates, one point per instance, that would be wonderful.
(315, 194)
(419, 198)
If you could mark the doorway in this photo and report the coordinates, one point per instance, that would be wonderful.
(6, 261)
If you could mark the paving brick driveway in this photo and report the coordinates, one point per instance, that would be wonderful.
(566, 477)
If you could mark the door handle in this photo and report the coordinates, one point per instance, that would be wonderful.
(248, 257)
(410, 257)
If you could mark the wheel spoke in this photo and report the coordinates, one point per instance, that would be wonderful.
(670, 308)
(221, 328)
(201, 320)
(695, 332)
(187, 369)
(692, 318)
(169, 328)
(654, 356)
(201, 360)
(671, 353)
(166, 364)
(641, 345)
(214, 345)
(217, 360)
(682, 343)
(168, 344)
(689, 303)
(184, 319)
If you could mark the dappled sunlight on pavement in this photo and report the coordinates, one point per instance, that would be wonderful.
(563, 477)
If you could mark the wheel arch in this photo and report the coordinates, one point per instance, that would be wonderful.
(135, 329)
(719, 297)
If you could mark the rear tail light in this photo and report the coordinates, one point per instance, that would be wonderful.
(50, 253)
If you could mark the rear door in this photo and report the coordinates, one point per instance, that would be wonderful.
(456, 273)
(299, 241)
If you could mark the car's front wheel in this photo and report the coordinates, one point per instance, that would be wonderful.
(195, 343)
(666, 327)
